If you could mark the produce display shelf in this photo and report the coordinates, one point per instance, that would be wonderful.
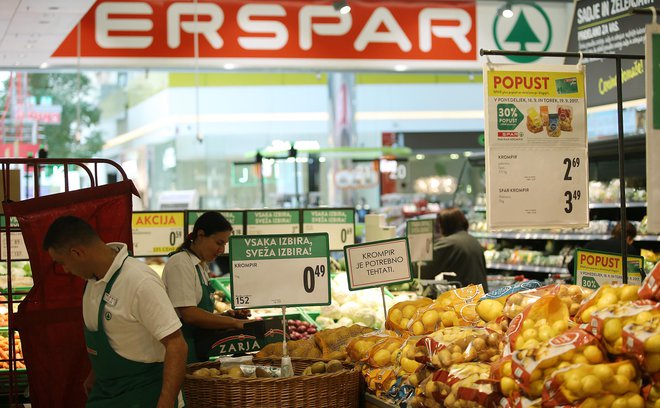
(541, 235)
(18, 292)
(526, 268)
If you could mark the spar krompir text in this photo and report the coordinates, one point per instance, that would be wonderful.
(378, 262)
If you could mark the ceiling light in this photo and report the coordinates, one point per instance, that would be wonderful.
(506, 11)
(420, 157)
(400, 68)
(43, 65)
(454, 156)
(229, 66)
(342, 6)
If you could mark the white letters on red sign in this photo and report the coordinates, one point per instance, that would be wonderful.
(280, 33)
(209, 29)
(394, 34)
(307, 27)
(457, 33)
(105, 24)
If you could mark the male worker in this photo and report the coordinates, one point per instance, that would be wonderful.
(132, 332)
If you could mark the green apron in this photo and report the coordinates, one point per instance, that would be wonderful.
(119, 382)
(206, 304)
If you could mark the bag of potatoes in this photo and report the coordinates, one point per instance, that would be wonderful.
(641, 340)
(605, 296)
(650, 288)
(360, 348)
(455, 345)
(399, 315)
(538, 323)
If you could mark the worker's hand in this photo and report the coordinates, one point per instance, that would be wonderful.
(238, 314)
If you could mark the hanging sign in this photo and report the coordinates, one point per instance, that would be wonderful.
(378, 263)
(261, 222)
(339, 223)
(279, 270)
(653, 127)
(594, 269)
(536, 147)
(235, 218)
(420, 239)
(157, 233)
(17, 243)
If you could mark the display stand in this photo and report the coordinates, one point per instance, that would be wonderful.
(619, 98)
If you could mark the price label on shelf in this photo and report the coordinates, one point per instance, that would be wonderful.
(420, 239)
(594, 269)
(339, 223)
(18, 250)
(378, 263)
(536, 147)
(279, 270)
(157, 233)
(235, 218)
(263, 222)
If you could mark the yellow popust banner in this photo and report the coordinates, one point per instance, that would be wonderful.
(594, 269)
(536, 84)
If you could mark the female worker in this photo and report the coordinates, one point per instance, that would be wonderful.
(186, 278)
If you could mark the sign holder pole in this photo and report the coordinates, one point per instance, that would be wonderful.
(382, 293)
(285, 365)
(619, 97)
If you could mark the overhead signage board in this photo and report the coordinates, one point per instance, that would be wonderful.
(421, 35)
(594, 269)
(236, 219)
(420, 239)
(608, 26)
(339, 223)
(378, 263)
(261, 222)
(653, 128)
(536, 147)
(279, 270)
(157, 233)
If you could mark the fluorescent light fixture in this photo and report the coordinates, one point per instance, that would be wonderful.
(506, 10)
(229, 66)
(306, 145)
(322, 159)
(342, 6)
(467, 154)
(400, 68)
(43, 65)
(420, 157)
(454, 156)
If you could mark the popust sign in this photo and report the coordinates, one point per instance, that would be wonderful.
(594, 269)
(420, 239)
(157, 233)
(261, 222)
(279, 270)
(378, 263)
(339, 223)
(536, 146)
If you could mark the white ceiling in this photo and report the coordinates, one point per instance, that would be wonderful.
(31, 30)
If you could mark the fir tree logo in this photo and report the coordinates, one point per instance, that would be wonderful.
(519, 35)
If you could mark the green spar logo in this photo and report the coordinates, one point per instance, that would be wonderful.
(519, 30)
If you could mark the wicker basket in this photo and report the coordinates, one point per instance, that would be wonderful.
(338, 389)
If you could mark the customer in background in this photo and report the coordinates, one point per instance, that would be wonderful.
(456, 251)
(186, 277)
(137, 351)
(612, 244)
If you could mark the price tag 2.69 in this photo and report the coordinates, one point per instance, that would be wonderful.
(279, 270)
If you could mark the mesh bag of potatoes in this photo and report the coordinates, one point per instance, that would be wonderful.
(652, 394)
(306, 348)
(501, 372)
(650, 288)
(333, 342)
(455, 345)
(531, 367)
(607, 324)
(366, 348)
(405, 358)
(400, 313)
(595, 385)
(605, 296)
(571, 295)
(539, 322)
(379, 380)
(641, 340)
(462, 385)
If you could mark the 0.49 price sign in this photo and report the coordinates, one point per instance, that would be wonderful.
(279, 270)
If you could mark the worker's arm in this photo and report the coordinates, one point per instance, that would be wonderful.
(198, 317)
(176, 352)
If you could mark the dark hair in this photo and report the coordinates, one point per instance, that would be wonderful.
(209, 222)
(67, 231)
(631, 231)
(451, 220)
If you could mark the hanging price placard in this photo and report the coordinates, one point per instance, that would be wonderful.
(17, 243)
(339, 223)
(536, 147)
(262, 222)
(235, 218)
(378, 263)
(420, 239)
(594, 269)
(279, 270)
(157, 233)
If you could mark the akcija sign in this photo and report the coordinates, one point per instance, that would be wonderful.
(294, 32)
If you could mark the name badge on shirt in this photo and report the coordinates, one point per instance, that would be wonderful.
(111, 300)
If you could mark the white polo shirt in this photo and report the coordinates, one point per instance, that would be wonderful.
(181, 281)
(138, 315)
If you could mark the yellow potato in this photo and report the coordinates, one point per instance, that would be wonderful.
(396, 315)
(489, 309)
(508, 386)
(629, 293)
(409, 365)
(591, 385)
(430, 318)
(418, 328)
(652, 362)
(635, 401)
(652, 344)
(382, 357)
(408, 311)
(593, 354)
(612, 330)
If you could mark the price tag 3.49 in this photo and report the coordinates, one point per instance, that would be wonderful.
(279, 270)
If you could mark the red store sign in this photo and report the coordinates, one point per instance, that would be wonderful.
(296, 33)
